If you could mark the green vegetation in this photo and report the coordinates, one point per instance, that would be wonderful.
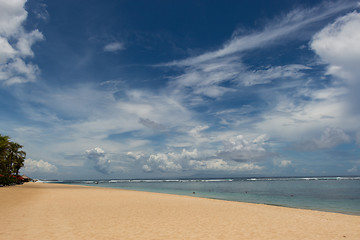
(11, 160)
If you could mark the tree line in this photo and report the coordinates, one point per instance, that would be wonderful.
(11, 160)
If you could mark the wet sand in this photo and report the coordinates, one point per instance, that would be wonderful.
(54, 211)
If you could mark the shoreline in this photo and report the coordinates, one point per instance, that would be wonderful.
(341, 208)
(212, 198)
(219, 199)
(59, 211)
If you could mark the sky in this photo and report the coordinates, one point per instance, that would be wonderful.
(124, 89)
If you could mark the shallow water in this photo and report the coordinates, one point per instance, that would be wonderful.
(333, 194)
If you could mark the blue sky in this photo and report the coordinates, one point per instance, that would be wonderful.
(160, 89)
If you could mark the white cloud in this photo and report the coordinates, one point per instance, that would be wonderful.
(204, 78)
(338, 45)
(16, 43)
(221, 165)
(98, 156)
(17, 71)
(262, 76)
(97, 115)
(196, 131)
(136, 155)
(40, 11)
(26, 41)
(12, 15)
(6, 50)
(33, 166)
(114, 47)
(239, 154)
(305, 113)
(331, 137)
(241, 150)
(215, 73)
(152, 125)
(146, 168)
(163, 162)
(275, 30)
(194, 161)
(283, 163)
(171, 161)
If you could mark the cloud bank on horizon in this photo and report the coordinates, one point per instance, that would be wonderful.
(181, 89)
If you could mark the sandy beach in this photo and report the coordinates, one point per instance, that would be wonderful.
(54, 211)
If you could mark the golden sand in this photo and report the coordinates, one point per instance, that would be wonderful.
(54, 211)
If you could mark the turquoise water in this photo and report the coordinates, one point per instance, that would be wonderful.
(333, 194)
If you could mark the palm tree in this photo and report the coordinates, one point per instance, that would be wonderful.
(15, 158)
(18, 161)
(4, 148)
(11, 160)
(11, 157)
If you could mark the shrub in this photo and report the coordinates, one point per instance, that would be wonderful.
(10, 179)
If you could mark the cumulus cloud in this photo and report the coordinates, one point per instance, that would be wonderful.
(136, 155)
(146, 168)
(33, 166)
(114, 47)
(338, 46)
(169, 161)
(221, 165)
(238, 155)
(12, 15)
(100, 159)
(16, 43)
(283, 163)
(18, 71)
(164, 162)
(26, 41)
(240, 149)
(6, 50)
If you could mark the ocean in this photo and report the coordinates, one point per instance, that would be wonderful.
(331, 194)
